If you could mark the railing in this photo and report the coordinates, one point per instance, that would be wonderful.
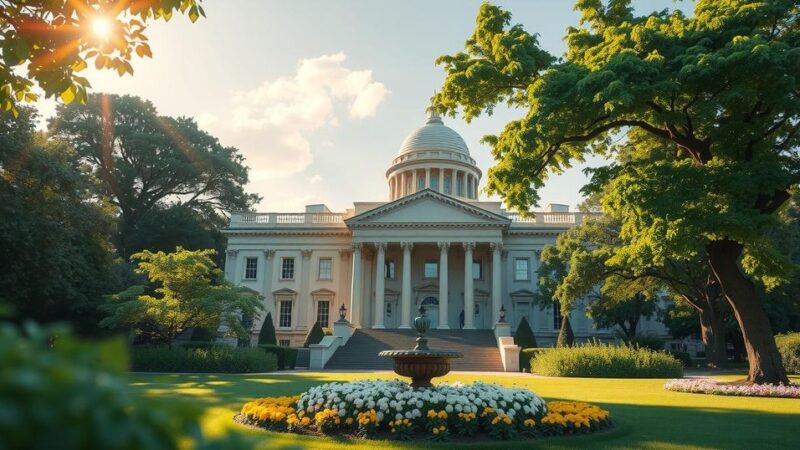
(553, 218)
(277, 219)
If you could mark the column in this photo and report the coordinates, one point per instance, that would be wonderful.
(468, 186)
(405, 299)
(414, 182)
(475, 189)
(428, 177)
(469, 293)
(230, 267)
(380, 259)
(456, 184)
(305, 308)
(355, 289)
(444, 301)
(269, 305)
(496, 282)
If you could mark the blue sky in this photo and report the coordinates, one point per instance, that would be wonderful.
(318, 95)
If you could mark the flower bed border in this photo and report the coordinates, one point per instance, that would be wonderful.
(358, 410)
(710, 386)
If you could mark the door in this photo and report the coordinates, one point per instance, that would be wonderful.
(522, 309)
(431, 305)
(390, 314)
(479, 321)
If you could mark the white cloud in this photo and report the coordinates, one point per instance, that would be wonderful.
(272, 122)
(315, 179)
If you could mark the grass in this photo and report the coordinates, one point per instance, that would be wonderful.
(646, 416)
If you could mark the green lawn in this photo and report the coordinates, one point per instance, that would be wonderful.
(646, 416)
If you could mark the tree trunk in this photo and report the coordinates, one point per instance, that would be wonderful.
(713, 334)
(762, 353)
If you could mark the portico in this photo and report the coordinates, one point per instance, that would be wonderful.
(436, 251)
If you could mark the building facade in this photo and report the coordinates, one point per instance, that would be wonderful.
(433, 244)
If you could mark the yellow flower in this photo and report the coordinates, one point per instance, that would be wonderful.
(435, 431)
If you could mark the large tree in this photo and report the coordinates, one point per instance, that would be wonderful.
(719, 88)
(55, 237)
(44, 44)
(147, 163)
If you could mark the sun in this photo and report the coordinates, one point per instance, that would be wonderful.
(102, 27)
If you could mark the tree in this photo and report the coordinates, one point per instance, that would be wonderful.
(149, 163)
(267, 333)
(666, 80)
(46, 43)
(57, 256)
(315, 335)
(565, 336)
(191, 292)
(524, 336)
(623, 314)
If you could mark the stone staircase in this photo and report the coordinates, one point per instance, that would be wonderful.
(361, 352)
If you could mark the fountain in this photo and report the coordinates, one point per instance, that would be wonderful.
(421, 364)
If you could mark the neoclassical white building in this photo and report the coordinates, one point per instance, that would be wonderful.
(433, 243)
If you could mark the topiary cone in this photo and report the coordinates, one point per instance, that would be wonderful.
(524, 336)
(267, 333)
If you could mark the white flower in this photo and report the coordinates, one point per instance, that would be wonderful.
(448, 408)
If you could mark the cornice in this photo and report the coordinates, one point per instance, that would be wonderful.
(285, 232)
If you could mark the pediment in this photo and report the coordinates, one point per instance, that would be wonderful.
(427, 207)
(284, 291)
(323, 292)
(522, 293)
(427, 287)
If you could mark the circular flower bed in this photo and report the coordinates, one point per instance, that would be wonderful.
(709, 386)
(376, 408)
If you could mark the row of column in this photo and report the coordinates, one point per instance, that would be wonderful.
(405, 183)
(356, 299)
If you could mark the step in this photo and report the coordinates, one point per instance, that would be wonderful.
(361, 352)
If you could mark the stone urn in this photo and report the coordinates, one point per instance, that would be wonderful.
(421, 364)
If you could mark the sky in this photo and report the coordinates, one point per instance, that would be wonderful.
(318, 94)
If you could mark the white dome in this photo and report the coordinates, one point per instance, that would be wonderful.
(434, 135)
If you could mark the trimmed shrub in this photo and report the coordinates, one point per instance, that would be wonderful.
(194, 345)
(267, 334)
(789, 347)
(202, 335)
(314, 336)
(524, 336)
(221, 359)
(606, 361)
(566, 338)
(684, 357)
(527, 355)
(286, 356)
(654, 343)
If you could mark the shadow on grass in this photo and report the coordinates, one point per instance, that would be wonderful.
(636, 426)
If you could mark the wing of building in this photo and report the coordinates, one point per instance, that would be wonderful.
(434, 243)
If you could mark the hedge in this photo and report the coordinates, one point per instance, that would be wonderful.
(526, 355)
(286, 356)
(215, 359)
(606, 361)
(789, 347)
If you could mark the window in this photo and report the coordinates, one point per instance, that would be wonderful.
(284, 343)
(521, 269)
(420, 183)
(477, 274)
(459, 187)
(431, 270)
(325, 268)
(446, 184)
(287, 268)
(477, 309)
(557, 317)
(285, 318)
(435, 182)
(250, 268)
(323, 313)
(389, 270)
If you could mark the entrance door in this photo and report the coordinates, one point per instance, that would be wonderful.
(390, 314)
(479, 321)
(431, 305)
(522, 309)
